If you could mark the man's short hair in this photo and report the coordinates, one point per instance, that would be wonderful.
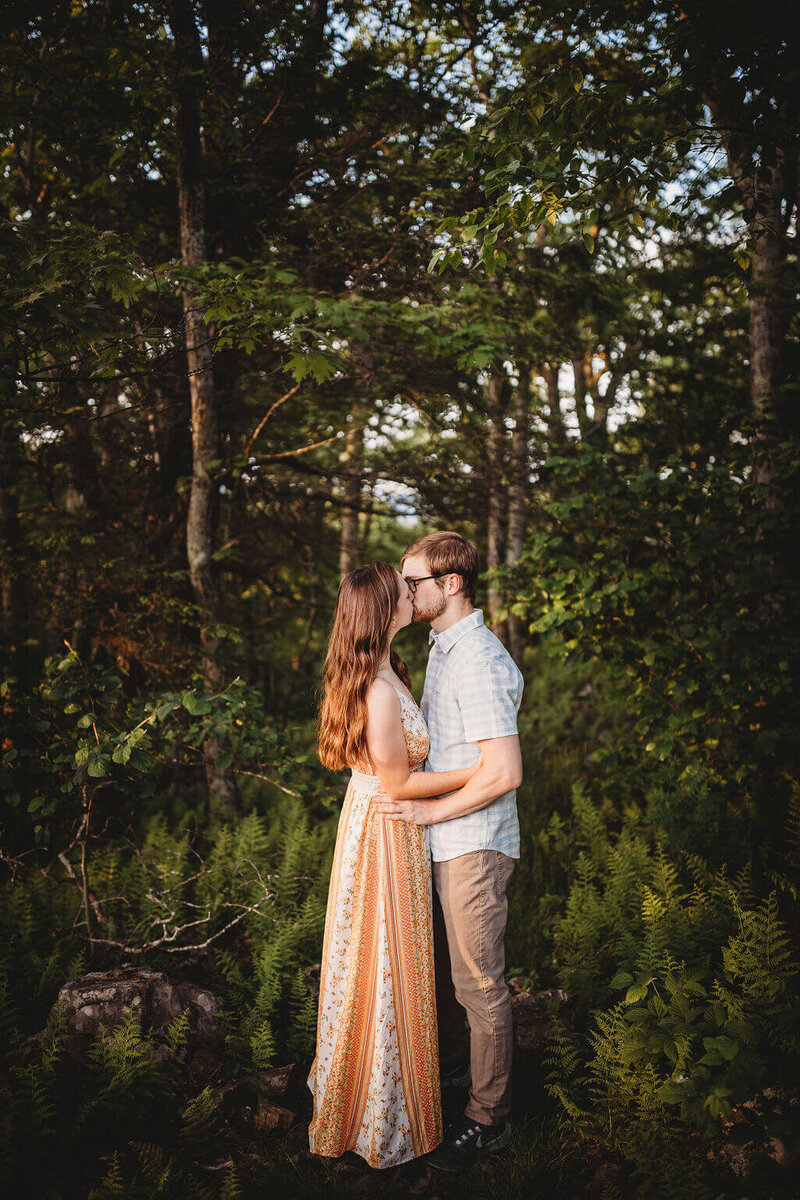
(447, 552)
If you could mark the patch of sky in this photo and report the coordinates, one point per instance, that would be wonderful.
(401, 500)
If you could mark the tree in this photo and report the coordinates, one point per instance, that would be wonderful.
(200, 523)
(643, 80)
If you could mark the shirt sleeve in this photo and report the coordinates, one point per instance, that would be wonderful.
(488, 692)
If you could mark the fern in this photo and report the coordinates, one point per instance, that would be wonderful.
(563, 1064)
(792, 829)
(125, 1076)
(760, 981)
(303, 1007)
(759, 957)
(590, 826)
(200, 1116)
(112, 1183)
(262, 1045)
(231, 1188)
(177, 1032)
(156, 1165)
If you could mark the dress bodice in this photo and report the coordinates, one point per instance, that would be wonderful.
(415, 731)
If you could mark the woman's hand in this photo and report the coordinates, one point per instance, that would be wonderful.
(417, 812)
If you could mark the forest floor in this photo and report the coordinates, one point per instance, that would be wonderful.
(542, 1160)
(545, 1160)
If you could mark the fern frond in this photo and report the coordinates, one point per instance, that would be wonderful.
(262, 1045)
(200, 1115)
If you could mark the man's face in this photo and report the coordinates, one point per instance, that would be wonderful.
(430, 597)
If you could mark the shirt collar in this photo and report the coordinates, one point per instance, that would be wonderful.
(448, 637)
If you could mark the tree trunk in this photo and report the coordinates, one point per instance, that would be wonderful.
(353, 456)
(70, 589)
(580, 369)
(770, 196)
(82, 501)
(517, 496)
(200, 525)
(495, 538)
(767, 321)
(13, 592)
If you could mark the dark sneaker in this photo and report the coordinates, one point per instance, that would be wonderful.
(456, 1077)
(464, 1140)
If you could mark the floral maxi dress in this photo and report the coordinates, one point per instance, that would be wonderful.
(375, 1078)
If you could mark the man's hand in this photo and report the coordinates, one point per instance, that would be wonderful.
(500, 771)
(418, 812)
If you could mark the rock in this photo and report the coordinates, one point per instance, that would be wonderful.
(746, 1141)
(275, 1082)
(533, 1015)
(102, 999)
(204, 1065)
(269, 1115)
(311, 977)
(250, 1099)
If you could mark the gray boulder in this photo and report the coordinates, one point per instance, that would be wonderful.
(102, 999)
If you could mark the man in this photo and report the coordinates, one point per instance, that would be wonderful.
(471, 699)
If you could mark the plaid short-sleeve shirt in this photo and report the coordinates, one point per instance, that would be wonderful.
(473, 690)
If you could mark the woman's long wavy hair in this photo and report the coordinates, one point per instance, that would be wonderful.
(362, 620)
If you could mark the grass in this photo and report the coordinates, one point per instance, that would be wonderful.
(543, 1161)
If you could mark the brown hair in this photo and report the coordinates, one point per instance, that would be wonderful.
(447, 552)
(362, 618)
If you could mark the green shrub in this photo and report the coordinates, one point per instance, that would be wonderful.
(255, 891)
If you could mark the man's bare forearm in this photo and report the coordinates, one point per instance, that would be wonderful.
(483, 789)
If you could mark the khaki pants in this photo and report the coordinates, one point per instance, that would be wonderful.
(469, 924)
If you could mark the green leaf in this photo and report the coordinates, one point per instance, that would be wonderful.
(672, 1093)
(727, 1047)
(141, 760)
(98, 766)
(313, 363)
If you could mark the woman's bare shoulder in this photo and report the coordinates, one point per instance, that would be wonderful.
(382, 697)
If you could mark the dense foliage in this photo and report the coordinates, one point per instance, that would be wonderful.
(283, 286)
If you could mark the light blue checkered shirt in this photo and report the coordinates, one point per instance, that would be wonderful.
(473, 690)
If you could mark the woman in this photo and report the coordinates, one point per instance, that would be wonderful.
(375, 1078)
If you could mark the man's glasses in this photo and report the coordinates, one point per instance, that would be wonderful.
(413, 583)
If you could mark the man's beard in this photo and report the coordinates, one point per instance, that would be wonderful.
(434, 609)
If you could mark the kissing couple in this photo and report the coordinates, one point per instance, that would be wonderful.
(425, 848)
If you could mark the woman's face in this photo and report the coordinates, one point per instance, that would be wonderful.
(404, 611)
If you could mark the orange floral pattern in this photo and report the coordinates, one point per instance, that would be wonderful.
(375, 1077)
